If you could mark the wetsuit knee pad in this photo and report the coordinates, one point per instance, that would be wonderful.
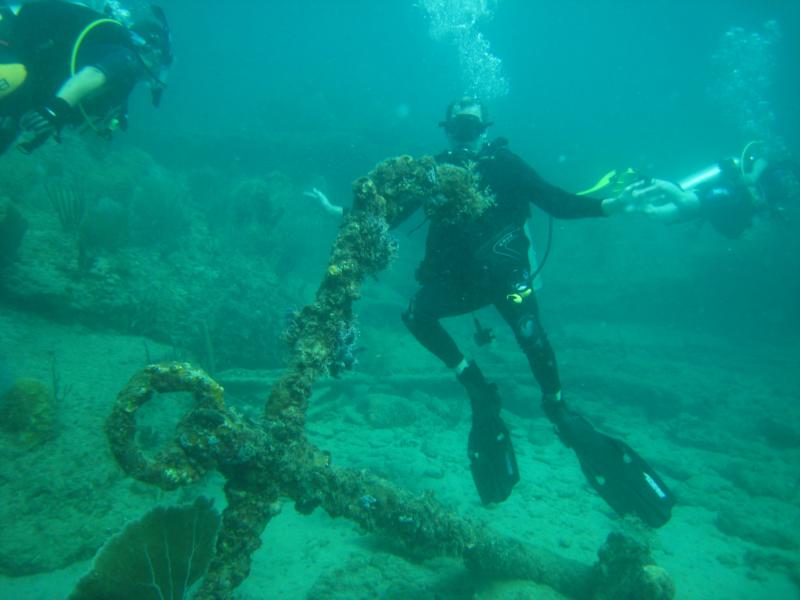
(12, 76)
(530, 334)
(413, 316)
(414, 321)
(408, 316)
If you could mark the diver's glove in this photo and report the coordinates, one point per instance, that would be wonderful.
(40, 124)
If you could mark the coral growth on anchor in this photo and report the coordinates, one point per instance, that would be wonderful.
(627, 571)
(268, 460)
(401, 183)
(345, 349)
(460, 198)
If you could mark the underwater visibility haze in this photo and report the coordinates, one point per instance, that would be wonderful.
(270, 326)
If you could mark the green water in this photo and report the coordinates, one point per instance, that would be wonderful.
(197, 240)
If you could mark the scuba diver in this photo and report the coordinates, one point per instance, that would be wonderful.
(728, 195)
(471, 265)
(62, 63)
(487, 261)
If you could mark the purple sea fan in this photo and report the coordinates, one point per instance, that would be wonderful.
(377, 246)
(345, 349)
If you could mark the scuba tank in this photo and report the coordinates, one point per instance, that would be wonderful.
(744, 165)
(707, 175)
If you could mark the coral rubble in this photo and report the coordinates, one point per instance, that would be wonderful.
(27, 412)
(12, 229)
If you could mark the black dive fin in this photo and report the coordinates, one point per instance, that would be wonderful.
(491, 455)
(492, 460)
(622, 477)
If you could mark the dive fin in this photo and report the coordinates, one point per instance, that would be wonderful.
(621, 477)
(492, 460)
(491, 455)
(613, 182)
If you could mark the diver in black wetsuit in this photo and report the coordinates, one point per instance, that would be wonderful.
(728, 195)
(485, 261)
(63, 63)
(472, 265)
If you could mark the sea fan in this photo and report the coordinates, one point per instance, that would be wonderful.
(156, 558)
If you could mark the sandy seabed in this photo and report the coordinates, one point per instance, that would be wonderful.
(720, 423)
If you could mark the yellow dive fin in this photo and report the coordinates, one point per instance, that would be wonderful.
(613, 182)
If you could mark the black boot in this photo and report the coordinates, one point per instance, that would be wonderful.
(570, 426)
(483, 396)
(492, 460)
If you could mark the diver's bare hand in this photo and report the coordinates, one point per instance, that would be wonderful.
(661, 199)
(660, 191)
(629, 200)
(323, 200)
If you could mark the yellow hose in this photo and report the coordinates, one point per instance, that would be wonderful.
(74, 62)
(744, 154)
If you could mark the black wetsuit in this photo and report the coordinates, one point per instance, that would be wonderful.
(42, 38)
(726, 203)
(468, 266)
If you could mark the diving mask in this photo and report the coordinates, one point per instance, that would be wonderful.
(464, 128)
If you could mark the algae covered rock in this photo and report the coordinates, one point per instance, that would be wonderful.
(12, 229)
(253, 202)
(27, 411)
(387, 411)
